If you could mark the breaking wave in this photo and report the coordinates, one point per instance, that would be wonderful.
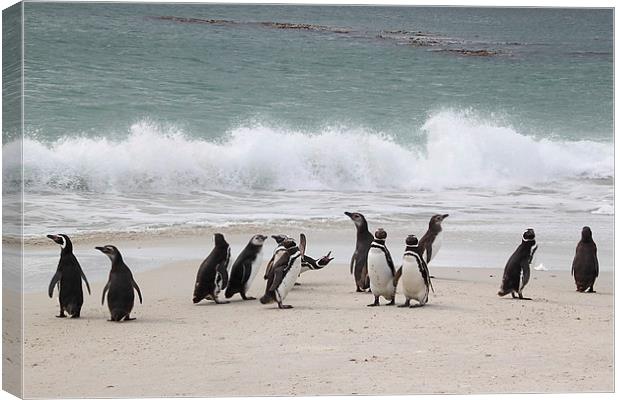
(457, 150)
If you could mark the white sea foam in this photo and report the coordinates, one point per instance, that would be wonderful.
(460, 151)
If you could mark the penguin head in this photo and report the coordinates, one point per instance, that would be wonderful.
(258, 240)
(219, 240)
(357, 218)
(436, 220)
(586, 234)
(380, 234)
(63, 240)
(279, 238)
(111, 251)
(529, 235)
(325, 259)
(411, 240)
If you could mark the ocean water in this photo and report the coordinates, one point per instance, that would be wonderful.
(163, 117)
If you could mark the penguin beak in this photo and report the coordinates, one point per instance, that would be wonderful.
(101, 249)
(348, 214)
(445, 216)
(55, 238)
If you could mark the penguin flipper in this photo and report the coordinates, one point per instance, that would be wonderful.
(85, 280)
(352, 263)
(428, 251)
(105, 289)
(397, 275)
(302, 244)
(54, 281)
(135, 286)
(595, 262)
(278, 276)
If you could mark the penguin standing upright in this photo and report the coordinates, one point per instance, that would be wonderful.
(429, 245)
(416, 280)
(283, 242)
(359, 260)
(585, 263)
(245, 268)
(212, 275)
(68, 276)
(517, 270)
(120, 286)
(284, 272)
(381, 270)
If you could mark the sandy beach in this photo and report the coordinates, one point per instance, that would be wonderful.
(466, 340)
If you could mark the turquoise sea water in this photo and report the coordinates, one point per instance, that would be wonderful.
(162, 116)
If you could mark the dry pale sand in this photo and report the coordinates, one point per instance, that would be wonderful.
(466, 340)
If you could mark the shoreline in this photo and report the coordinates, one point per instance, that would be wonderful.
(330, 343)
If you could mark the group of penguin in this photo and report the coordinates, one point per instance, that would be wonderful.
(371, 265)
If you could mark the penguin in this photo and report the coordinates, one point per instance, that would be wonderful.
(68, 276)
(282, 242)
(414, 274)
(245, 268)
(381, 270)
(310, 264)
(120, 286)
(585, 263)
(359, 267)
(284, 272)
(212, 275)
(429, 245)
(518, 267)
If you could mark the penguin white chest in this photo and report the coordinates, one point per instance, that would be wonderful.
(380, 274)
(255, 267)
(436, 245)
(413, 284)
(289, 279)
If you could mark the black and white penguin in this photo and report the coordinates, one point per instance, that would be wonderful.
(585, 263)
(517, 270)
(245, 268)
(359, 260)
(282, 243)
(120, 286)
(381, 270)
(310, 264)
(429, 245)
(284, 272)
(68, 276)
(416, 280)
(212, 275)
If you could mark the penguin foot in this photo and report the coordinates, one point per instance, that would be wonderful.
(297, 284)
(525, 298)
(416, 305)
(358, 290)
(61, 316)
(591, 290)
(284, 306)
(221, 301)
(372, 305)
(128, 319)
(391, 303)
(403, 305)
(248, 298)
(75, 316)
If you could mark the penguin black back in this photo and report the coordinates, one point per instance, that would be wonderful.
(517, 269)
(120, 286)
(359, 260)
(212, 275)
(585, 262)
(245, 267)
(68, 277)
